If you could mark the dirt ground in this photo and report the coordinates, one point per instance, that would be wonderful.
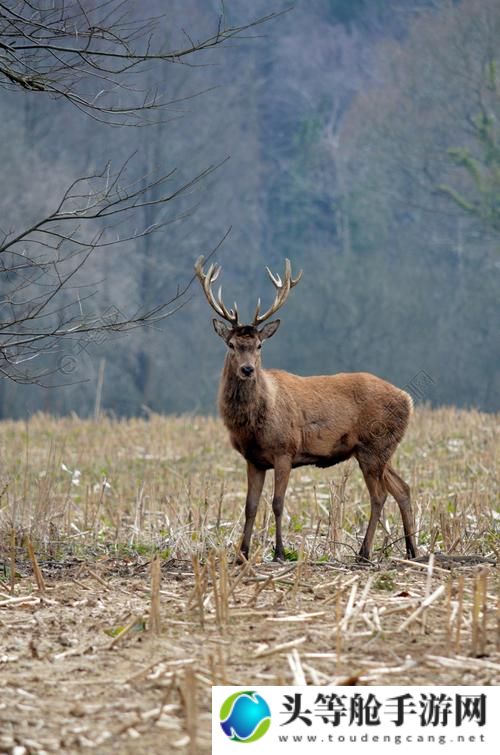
(81, 670)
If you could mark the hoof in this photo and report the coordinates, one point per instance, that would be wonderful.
(363, 558)
(410, 555)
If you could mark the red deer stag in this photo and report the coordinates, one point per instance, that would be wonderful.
(279, 421)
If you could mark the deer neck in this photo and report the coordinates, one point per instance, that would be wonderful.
(243, 403)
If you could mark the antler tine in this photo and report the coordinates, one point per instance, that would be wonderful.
(229, 314)
(213, 272)
(257, 310)
(276, 279)
(206, 280)
(283, 289)
(288, 274)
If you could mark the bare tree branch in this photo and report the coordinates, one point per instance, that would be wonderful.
(41, 261)
(87, 55)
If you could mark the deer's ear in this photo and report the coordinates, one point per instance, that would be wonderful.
(269, 330)
(221, 329)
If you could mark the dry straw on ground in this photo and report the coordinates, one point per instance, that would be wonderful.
(101, 649)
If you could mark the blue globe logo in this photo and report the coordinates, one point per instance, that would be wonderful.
(245, 716)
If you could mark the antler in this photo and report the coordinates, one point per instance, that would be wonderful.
(206, 280)
(284, 288)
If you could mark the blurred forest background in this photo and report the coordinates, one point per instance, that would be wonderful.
(363, 139)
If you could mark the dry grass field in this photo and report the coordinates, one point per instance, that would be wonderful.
(138, 606)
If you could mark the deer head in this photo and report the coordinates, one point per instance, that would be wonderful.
(244, 342)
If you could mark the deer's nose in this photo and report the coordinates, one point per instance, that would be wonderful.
(247, 370)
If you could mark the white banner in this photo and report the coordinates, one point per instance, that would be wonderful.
(321, 720)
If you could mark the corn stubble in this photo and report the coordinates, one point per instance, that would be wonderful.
(130, 529)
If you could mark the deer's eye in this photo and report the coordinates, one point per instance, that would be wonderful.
(259, 346)
(231, 346)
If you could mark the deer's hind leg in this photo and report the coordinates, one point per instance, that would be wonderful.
(282, 469)
(400, 490)
(374, 478)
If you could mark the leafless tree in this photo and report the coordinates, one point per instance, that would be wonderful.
(91, 55)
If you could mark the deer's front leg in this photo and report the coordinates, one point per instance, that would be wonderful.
(282, 469)
(256, 479)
